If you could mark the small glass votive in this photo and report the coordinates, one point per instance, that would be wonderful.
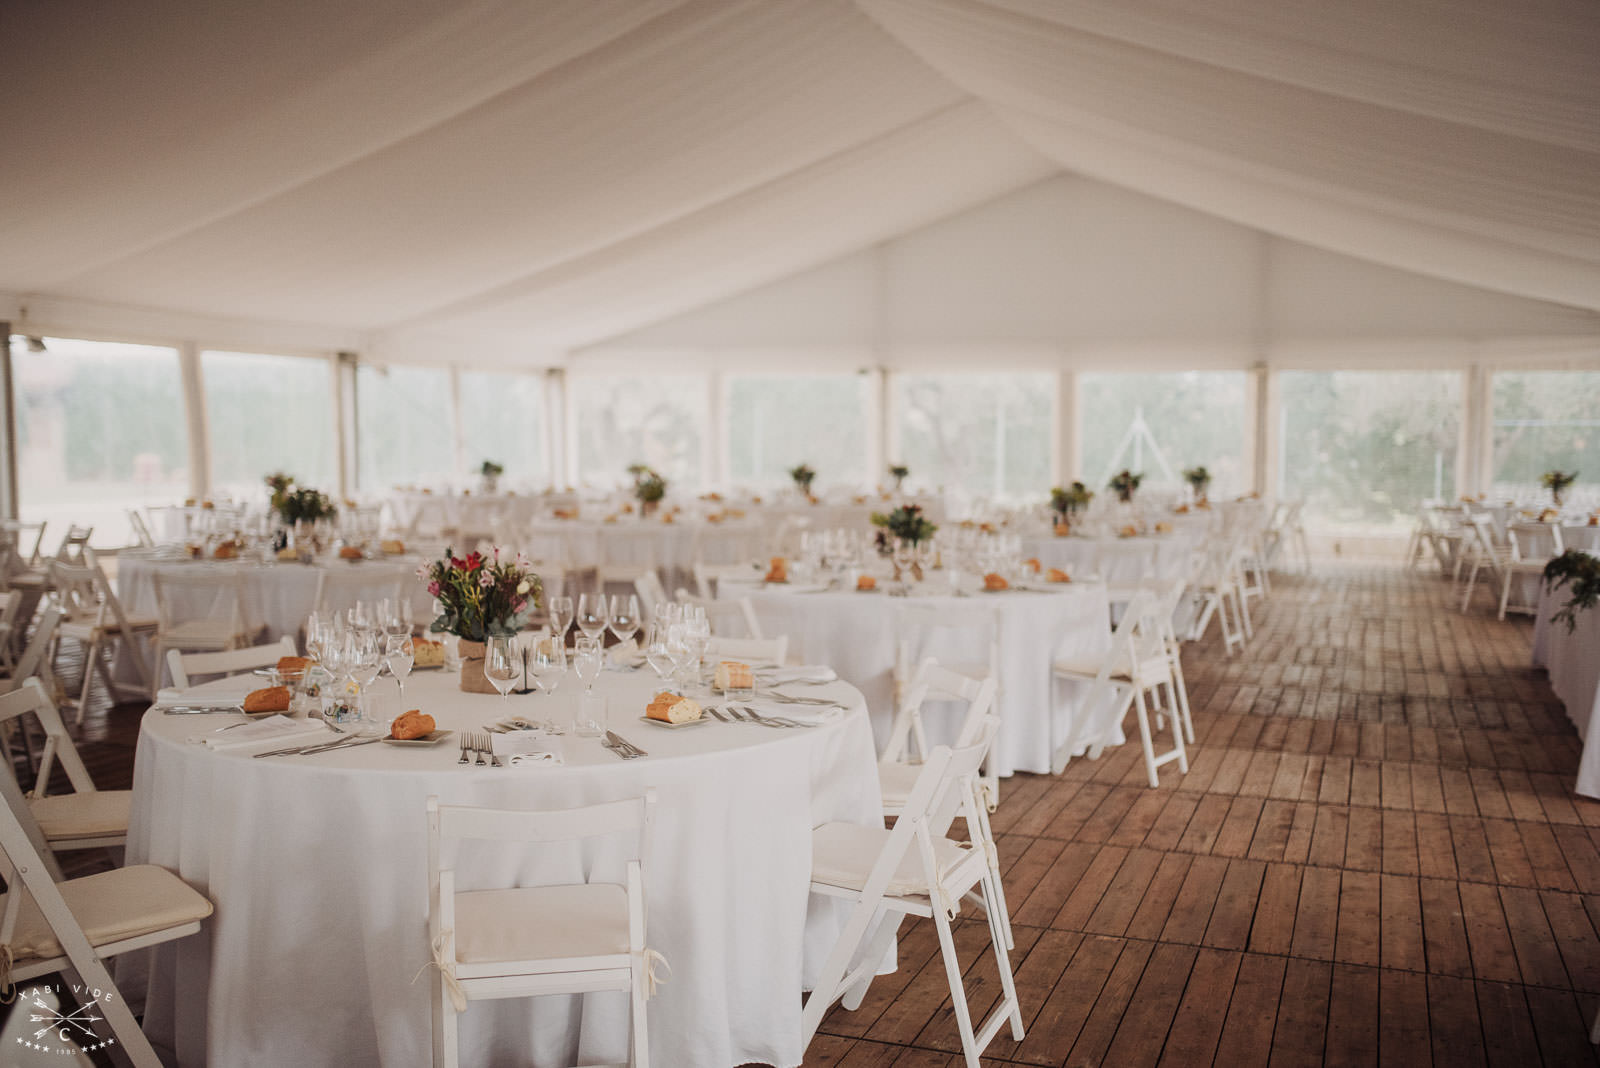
(591, 716)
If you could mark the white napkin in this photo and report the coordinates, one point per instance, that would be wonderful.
(279, 729)
(804, 587)
(813, 715)
(526, 747)
(625, 654)
(216, 692)
(805, 673)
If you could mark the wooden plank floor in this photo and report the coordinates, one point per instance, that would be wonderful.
(1375, 858)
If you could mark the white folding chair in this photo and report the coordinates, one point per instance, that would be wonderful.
(537, 940)
(723, 545)
(1487, 554)
(908, 746)
(141, 530)
(1532, 546)
(1132, 670)
(9, 631)
(86, 818)
(707, 576)
(17, 531)
(186, 666)
(92, 616)
(74, 548)
(651, 593)
(915, 869)
(200, 608)
(627, 551)
(729, 617)
(339, 588)
(749, 650)
(35, 658)
(48, 925)
(1218, 594)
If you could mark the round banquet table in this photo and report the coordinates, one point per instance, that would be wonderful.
(1119, 561)
(857, 634)
(317, 866)
(277, 595)
(675, 546)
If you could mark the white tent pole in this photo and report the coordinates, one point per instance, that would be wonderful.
(347, 427)
(555, 434)
(8, 469)
(458, 435)
(1265, 395)
(714, 443)
(1068, 438)
(194, 407)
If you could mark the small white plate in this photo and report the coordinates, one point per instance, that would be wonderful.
(433, 738)
(675, 726)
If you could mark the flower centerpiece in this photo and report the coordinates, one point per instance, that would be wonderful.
(909, 525)
(1580, 572)
(480, 597)
(1125, 483)
(648, 487)
(1069, 501)
(305, 505)
(803, 476)
(1557, 482)
(899, 472)
(490, 473)
(1199, 480)
(278, 482)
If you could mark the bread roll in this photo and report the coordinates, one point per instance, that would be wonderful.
(1058, 575)
(671, 708)
(995, 581)
(866, 582)
(426, 653)
(732, 675)
(289, 665)
(412, 724)
(271, 699)
(349, 552)
(778, 570)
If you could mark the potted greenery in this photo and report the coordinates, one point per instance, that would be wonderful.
(803, 476)
(1580, 573)
(909, 525)
(1199, 480)
(1069, 501)
(480, 597)
(489, 472)
(1125, 483)
(1557, 482)
(648, 487)
(899, 472)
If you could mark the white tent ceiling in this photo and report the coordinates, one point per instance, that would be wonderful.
(538, 178)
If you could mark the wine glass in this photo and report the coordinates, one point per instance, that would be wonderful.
(586, 662)
(501, 664)
(591, 617)
(399, 655)
(547, 662)
(656, 652)
(624, 616)
(363, 662)
(697, 635)
(561, 613)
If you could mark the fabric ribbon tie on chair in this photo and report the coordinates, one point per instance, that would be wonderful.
(652, 981)
(447, 971)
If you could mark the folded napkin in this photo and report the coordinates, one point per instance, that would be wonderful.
(804, 673)
(229, 691)
(279, 729)
(811, 715)
(526, 748)
(625, 654)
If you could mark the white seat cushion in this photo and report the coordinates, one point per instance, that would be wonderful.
(91, 814)
(896, 780)
(842, 854)
(111, 906)
(541, 923)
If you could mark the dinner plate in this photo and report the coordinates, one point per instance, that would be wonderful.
(675, 726)
(431, 738)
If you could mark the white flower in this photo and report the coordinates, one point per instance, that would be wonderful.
(523, 587)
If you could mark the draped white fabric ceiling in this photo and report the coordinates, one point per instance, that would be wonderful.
(542, 177)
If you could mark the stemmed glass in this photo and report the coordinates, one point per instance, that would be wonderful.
(547, 663)
(624, 616)
(591, 618)
(363, 662)
(560, 617)
(399, 655)
(501, 664)
(657, 651)
(586, 660)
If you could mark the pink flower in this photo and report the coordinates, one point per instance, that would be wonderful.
(486, 580)
(433, 589)
(422, 571)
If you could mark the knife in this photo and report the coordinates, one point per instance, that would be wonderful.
(200, 710)
(618, 740)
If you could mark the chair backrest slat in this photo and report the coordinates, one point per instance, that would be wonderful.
(507, 825)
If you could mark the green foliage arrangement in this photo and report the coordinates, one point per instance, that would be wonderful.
(1125, 483)
(1557, 482)
(648, 485)
(906, 523)
(278, 482)
(802, 476)
(1199, 480)
(482, 597)
(490, 469)
(899, 472)
(307, 504)
(1580, 573)
(1070, 500)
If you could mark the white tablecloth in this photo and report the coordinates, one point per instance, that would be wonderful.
(1119, 561)
(280, 596)
(1573, 660)
(856, 634)
(317, 866)
(675, 547)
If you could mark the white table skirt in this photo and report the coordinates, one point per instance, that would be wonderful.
(856, 634)
(1573, 660)
(317, 866)
(280, 596)
(1119, 561)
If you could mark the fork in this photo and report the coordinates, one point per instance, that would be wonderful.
(770, 720)
(466, 743)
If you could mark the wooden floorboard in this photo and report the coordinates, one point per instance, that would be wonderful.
(1375, 858)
